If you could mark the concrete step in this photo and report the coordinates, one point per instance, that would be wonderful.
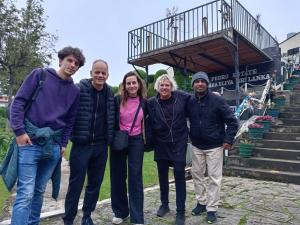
(291, 115)
(277, 144)
(287, 154)
(263, 174)
(265, 163)
(288, 121)
(284, 129)
(282, 136)
(292, 108)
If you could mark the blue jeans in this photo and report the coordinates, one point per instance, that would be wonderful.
(34, 171)
(133, 156)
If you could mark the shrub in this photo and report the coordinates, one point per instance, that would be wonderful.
(5, 138)
(159, 73)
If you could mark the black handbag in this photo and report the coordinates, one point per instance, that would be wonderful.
(120, 141)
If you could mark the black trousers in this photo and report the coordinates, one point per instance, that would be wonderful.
(180, 184)
(132, 157)
(85, 160)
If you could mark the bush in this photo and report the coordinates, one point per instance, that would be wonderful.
(151, 92)
(150, 79)
(115, 89)
(159, 73)
(5, 138)
(141, 73)
(3, 112)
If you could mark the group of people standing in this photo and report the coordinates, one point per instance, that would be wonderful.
(89, 114)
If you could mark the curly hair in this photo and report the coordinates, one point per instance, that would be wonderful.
(76, 52)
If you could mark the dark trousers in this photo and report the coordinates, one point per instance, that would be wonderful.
(133, 156)
(180, 185)
(90, 160)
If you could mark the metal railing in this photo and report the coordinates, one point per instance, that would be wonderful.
(197, 22)
(208, 19)
(250, 28)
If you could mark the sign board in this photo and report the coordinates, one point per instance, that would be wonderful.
(255, 75)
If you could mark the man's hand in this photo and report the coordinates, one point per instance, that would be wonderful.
(62, 151)
(23, 139)
(226, 146)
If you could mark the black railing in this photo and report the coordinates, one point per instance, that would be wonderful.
(211, 18)
(250, 28)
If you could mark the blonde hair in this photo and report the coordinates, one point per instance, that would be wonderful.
(163, 78)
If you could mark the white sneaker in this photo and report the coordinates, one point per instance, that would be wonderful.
(117, 220)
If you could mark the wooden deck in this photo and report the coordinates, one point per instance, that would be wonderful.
(211, 53)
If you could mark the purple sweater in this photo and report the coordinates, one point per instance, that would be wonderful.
(55, 106)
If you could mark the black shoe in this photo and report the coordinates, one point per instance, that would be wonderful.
(87, 220)
(211, 217)
(198, 209)
(180, 219)
(68, 222)
(163, 210)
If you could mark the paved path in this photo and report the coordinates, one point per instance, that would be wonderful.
(244, 202)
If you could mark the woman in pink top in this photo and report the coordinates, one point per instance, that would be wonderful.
(132, 94)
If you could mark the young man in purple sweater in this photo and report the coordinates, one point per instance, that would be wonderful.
(53, 112)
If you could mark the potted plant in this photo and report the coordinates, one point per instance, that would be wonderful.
(293, 79)
(256, 131)
(279, 101)
(272, 110)
(245, 148)
(265, 121)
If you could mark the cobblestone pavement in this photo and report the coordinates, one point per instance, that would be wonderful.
(243, 202)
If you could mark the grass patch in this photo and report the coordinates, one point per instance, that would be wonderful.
(4, 194)
(149, 173)
(243, 221)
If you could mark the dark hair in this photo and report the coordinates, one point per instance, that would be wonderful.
(141, 91)
(76, 52)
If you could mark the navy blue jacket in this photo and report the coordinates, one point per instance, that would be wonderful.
(161, 130)
(208, 116)
(83, 121)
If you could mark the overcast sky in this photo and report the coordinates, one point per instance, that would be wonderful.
(100, 28)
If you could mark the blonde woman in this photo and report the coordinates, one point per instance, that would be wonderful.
(167, 111)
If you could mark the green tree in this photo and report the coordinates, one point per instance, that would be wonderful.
(115, 89)
(183, 82)
(159, 73)
(150, 78)
(142, 74)
(150, 91)
(24, 42)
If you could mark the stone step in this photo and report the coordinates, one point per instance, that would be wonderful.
(282, 136)
(277, 144)
(262, 174)
(284, 129)
(288, 121)
(291, 115)
(291, 109)
(287, 154)
(265, 163)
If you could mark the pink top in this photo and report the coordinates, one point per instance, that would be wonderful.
(127, 113)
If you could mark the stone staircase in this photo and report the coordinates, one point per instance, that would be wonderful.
(277, 156)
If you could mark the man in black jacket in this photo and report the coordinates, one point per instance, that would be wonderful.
(208, 114)
(93, 131)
